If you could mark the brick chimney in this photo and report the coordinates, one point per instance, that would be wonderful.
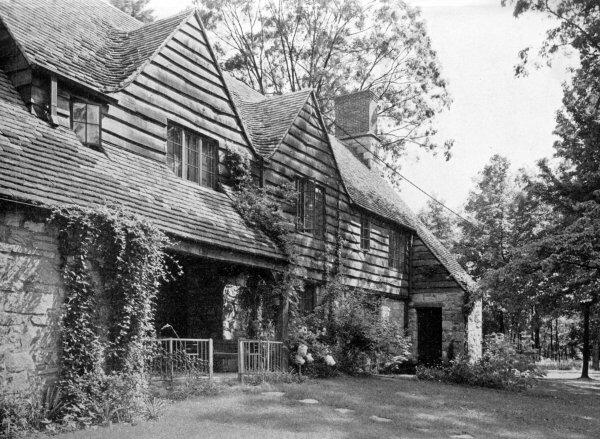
(356, 124)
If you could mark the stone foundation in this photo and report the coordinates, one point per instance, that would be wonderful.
(30, 296)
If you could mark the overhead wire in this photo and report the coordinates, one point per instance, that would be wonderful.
(396, 172)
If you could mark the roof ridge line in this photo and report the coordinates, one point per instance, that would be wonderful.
(300, 107)
(185, 15)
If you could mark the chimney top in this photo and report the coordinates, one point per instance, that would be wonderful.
(355, 114)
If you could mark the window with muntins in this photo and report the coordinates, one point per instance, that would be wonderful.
(365, 232)
(192, 156)
(307, 299)
(310, 208)
(399, 250)
(86, 122)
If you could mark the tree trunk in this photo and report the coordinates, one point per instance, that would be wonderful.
(596, 356)
(586, 342)
(556, 340)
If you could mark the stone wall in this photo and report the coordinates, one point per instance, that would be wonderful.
(432, 285)
(30, 296)
(453, 320)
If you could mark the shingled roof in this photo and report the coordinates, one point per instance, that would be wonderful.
(266, 119)
(48, 166)
(100, 46)
(372, 192)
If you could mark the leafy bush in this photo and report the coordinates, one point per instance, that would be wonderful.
(153, 407)
(567, 364)
(194, 387)
(273, 378)
(29, 409)
(349, 327)
(501, 367)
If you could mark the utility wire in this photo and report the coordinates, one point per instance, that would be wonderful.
(395, 171)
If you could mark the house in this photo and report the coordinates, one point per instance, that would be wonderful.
(98, 108)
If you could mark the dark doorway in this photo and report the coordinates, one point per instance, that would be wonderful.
(429, 335)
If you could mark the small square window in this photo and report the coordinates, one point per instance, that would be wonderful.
(86, 122)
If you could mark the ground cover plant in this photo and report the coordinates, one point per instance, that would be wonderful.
(502, 366)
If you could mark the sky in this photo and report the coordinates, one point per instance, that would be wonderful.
(493, 112)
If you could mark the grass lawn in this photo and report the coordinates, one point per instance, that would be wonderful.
(560, 407)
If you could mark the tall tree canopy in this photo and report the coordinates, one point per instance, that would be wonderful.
(439, 221)
(335, 47)
(136, 8)
(568, 258)
(485, 242)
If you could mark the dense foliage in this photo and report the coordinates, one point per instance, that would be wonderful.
(502, 366)
(136, 8)
(348, 326)
(264, 208)
(439, 221)
(336, 48)
(113, 264)
(563, 262)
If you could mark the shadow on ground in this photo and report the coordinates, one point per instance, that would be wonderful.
(560, 407)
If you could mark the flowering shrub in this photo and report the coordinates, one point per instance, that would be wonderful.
(501, 367)
(348, 327)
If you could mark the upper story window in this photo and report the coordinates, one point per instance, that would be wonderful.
(307, 299)
(192, 156)
(399, 250)
(310, 207)
(365, 232)
(86, 122)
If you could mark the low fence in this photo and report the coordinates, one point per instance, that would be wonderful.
(259, 356)
(174, 357)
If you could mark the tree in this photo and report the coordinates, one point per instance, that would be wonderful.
(573, 186)
(278, 46)
(135, 8)
(505, 215)
(438, 220)
(484, 242)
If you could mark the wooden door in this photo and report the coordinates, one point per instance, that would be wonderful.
(429, 335)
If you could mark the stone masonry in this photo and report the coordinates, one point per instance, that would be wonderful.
(30, 296)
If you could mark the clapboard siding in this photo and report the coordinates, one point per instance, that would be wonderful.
(305, 152)
(427, 272)
(181, 84)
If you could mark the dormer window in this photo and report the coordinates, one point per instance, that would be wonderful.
(86, 122)
(192, 156)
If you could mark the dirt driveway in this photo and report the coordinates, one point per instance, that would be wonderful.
(560, 407)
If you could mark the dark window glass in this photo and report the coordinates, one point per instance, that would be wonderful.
(86, 122)
(209, 163)
(365, 232)
(193, 144)
(310, 208)
(320, 224)
(198, 161)
(306, 299)
(174, 149)
(399, 255)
